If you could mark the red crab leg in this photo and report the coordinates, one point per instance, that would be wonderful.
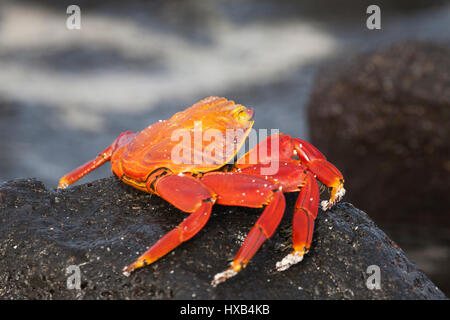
(308, 155)
(305, 212)
(243, 190)
(93, 164)
(324, 170)
(84, 169)
(263, 229)
(293, 176)
(189, 195)
(290, 174)
(263, 153)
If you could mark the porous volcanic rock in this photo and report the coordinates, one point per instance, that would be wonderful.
(104, 225)
(383, 120)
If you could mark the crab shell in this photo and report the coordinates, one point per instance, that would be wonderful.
(153, 147)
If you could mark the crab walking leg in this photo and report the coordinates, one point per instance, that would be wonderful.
(244, 190)
(261, 231)
(84, 169)
(305, 213)
(183, 232)
(93, 164)
(189, 195)
(324, 170)
(263, 152)
(308, 155)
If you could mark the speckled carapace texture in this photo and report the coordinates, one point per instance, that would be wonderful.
(104, 225)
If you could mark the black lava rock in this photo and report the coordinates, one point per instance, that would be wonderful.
(383, 120)
(104, 225)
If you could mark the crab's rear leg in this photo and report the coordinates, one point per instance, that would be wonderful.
(325, 171)
(93, 164)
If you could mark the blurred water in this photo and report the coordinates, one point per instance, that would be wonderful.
(65, 95)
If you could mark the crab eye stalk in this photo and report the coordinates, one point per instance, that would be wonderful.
(245, 114)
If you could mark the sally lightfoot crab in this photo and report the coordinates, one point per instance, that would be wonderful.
(145, 160)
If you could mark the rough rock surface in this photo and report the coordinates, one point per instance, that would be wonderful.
(395, 130)
(102, 226)
(383, 120)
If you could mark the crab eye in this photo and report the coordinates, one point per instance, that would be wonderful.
(245, 114)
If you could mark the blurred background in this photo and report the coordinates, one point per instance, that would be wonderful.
(310, 68)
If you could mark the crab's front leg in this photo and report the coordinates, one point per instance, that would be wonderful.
(305, 213)
(326, 172)
(189, 195)
(280, 147)
(238, 189)
(293, 177)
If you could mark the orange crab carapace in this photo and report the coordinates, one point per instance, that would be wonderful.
(145, 161)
